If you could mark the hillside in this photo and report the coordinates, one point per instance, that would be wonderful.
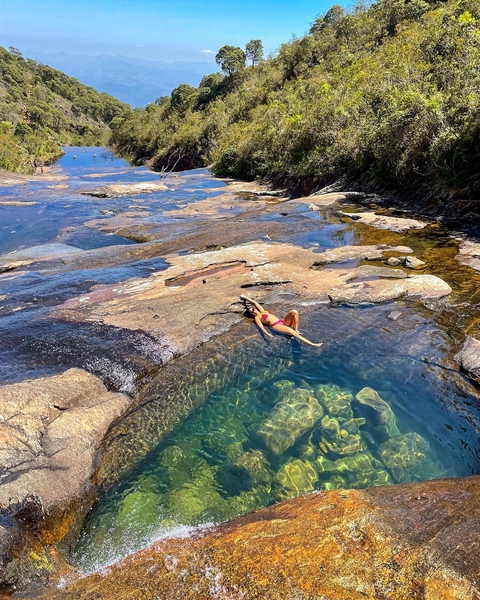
(42, 108)
(386, 96)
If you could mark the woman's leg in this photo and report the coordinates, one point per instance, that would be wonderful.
(291, 319)
(289, 331)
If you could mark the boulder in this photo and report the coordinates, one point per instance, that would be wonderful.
(385, 222)
(377, 412)
(469, 358)
(335, 401)
(50, 431)
(289, 419)
(394, 262)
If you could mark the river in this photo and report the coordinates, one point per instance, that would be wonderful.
(220, 462)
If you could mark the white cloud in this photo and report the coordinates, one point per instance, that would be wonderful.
(207, 52)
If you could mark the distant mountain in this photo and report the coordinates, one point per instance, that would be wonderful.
(133, 80)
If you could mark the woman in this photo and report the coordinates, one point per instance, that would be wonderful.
(288, 325)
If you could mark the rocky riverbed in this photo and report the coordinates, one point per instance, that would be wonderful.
(100, 330)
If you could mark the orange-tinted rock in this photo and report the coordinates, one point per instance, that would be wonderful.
(414, 541)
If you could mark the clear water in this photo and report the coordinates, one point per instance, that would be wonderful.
(260, 436)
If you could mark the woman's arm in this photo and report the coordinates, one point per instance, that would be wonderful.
(259, 324)
(258, 306)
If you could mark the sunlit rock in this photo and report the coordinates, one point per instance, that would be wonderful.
(295, 478)
(377, 411)
(406, 456)
(289, 419)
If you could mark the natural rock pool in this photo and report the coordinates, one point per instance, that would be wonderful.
(377, 405)
(108, 269)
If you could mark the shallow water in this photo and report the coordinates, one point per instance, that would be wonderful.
(260, 424)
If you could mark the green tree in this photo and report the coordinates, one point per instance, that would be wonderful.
(231, 59)
(254, 51)
(182, 97)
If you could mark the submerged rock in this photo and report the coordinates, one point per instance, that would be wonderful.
(295, 478)
(377, 412)
(256, 464)
(290, 418)
(340, 438)
(335, 401)
(406, 456)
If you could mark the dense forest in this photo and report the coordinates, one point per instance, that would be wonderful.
(42, 108)
(385, 96)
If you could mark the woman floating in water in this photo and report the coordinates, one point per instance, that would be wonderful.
(288, 325)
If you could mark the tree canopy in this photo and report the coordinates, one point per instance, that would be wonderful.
(230, 59)
(254, 51)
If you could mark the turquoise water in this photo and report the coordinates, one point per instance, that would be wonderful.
(294, 420)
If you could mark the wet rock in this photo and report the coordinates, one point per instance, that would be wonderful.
(340, 438)
(394, 315)
(281, 389)
(385, 222)
(392, 542)
(412, 262)
(372, 292)
(358, 470)
(289, 419)
(369, 271)
(294, 479)
(377, 412)
(406, 457)
(469, 358)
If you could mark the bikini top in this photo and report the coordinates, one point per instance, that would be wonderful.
(265, 315)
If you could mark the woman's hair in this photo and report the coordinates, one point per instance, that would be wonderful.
(250, 311)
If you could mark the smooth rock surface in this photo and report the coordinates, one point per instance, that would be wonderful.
(116, 190)
(50, 430)
(402, 542)
(469, 358)
(162, 303)
(371, 292)
(349, 253)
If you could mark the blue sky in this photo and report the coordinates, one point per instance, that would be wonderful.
(152, 29)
